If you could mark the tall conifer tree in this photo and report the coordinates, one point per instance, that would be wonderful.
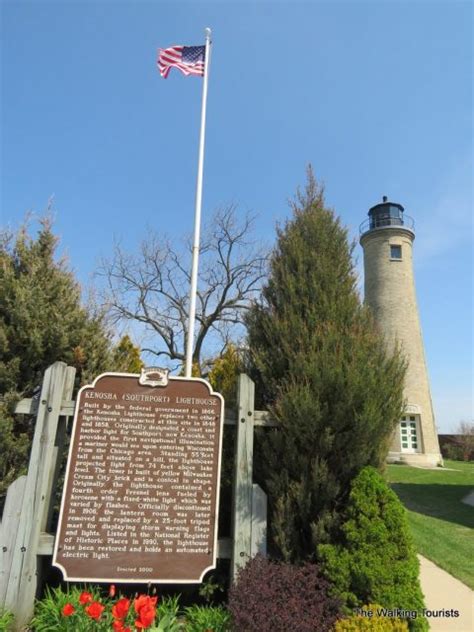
(325, 374)
(42, 320)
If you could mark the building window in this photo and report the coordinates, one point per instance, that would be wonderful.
(395, 251)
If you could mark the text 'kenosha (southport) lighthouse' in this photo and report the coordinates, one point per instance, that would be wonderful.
(387, 240)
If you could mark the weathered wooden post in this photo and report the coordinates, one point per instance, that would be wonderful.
(20, 540)
(9, 529)
(243, 485)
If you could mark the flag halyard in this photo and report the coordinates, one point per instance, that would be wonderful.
(190, 60)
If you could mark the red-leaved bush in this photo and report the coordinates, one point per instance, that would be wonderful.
(276, 597)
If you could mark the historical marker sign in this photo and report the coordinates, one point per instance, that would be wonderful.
(142, 486)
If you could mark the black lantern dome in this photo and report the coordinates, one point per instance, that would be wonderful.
(387, 214)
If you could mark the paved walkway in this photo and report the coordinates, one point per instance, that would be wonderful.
(469, 499)
(443, 591)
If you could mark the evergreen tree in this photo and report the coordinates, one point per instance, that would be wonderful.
(41, 321)
(325, 374)
(126, 357)
(223, 378)
(224, 374)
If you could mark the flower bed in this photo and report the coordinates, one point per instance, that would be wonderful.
(87, 610)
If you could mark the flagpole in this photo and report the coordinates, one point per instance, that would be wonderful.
(197, 214)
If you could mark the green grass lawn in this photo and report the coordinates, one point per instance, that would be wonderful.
(442, 526)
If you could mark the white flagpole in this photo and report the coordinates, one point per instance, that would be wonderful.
(197, 215)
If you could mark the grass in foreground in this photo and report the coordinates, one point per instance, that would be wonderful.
(442, 526)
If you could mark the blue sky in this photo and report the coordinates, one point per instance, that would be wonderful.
(376, 95)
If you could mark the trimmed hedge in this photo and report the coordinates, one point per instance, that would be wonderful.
(376, 561)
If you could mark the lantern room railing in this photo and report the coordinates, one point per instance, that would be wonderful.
(383, 221)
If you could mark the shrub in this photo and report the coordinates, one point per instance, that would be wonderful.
(376, 561)
(453, 452)
(207, 619)
(210, 588)
(376, 623)
(277, 597)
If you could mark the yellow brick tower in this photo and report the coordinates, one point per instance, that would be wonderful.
(387, 240)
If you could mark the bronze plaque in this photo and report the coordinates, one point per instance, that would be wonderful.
(141, 494)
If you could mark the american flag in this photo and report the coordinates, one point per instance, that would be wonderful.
(188, 59)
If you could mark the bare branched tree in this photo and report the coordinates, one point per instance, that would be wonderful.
(152, 287)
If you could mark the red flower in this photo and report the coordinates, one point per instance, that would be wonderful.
(145, 608)
(118, 627)
(68, 610)
(144, 600)
(95, 610)
(146, 616)
(119, 611)
(112, 590)
(85, 597)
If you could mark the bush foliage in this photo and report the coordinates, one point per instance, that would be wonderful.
(207, 619)
(376, 560)
(359, 623)
(225, 372)
(276, 597)
(6, 620)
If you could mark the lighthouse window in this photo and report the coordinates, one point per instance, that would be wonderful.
(395, 252)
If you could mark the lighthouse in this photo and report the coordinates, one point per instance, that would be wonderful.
(387, 241)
